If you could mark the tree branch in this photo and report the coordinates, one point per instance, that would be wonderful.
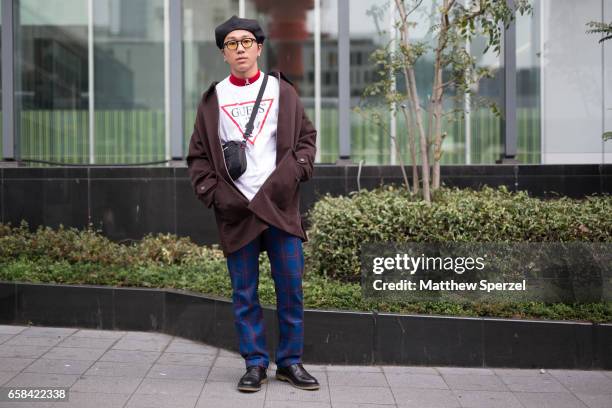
(414, 8)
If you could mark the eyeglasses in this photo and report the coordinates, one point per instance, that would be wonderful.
(233, 44)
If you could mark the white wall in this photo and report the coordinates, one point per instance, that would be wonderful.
(572, 83)
(608, 84)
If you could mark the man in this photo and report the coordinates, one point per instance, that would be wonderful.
(259, 211)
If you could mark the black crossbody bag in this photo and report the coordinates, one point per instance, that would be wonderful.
(233, 151)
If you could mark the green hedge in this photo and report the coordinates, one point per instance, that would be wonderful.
(208, 275)
(71, 256)
(340, 224)
(89, 246)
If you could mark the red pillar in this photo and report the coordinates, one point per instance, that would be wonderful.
(287, 28)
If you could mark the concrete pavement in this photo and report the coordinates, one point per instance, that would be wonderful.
(140, 369)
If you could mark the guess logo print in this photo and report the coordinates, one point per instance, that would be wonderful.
(240, 113)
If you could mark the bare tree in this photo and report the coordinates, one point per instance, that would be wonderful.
(455, 22)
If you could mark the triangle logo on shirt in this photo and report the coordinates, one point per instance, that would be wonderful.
(240, 113)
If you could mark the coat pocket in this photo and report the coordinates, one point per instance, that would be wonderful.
(283, 184)
(206, 191)
(230, 204)
(300, 171)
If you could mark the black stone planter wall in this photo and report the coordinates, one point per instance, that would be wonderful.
(330, 336)
(129, 202)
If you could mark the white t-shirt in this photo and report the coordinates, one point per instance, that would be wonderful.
(235, 106)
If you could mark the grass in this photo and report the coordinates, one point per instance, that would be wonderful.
(209, 276)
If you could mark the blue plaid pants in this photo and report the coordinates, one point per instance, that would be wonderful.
(287, 265)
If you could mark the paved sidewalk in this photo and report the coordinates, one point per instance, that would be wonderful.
(139, 369)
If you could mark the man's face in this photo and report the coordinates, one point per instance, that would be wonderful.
(241, 59)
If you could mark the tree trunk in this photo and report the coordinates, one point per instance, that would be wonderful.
(423, 140)
(438, 92)
(413, 95)
(411, 142)
(437, 145)
(398, 151)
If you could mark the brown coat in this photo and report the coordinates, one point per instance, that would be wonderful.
(277, 201)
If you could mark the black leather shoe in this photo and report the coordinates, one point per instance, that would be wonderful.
(252, 379)
(297, 376)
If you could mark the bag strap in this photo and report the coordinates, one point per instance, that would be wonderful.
(249, 126)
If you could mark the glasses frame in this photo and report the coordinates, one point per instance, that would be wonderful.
(241, 41)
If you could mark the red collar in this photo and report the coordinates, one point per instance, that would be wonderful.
(244, 81)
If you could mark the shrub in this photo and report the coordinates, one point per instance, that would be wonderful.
(210, 276)
(72, 245)
(340, 224)
(72, 256)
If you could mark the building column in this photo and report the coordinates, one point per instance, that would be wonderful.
(344, 86)
(9, 145)
(509, 130)
(174, 80)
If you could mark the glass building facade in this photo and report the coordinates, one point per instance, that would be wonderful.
(118, 81)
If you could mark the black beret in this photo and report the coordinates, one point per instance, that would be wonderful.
(236, 23)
